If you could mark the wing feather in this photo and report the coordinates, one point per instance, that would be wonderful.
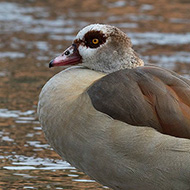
(145, 96)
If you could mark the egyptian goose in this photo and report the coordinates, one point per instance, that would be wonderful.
(124, 124)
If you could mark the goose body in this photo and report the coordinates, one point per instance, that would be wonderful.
(127, 126)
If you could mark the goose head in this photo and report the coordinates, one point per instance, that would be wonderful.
(101, 48)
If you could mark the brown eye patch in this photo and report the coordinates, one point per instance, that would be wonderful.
(94, 39)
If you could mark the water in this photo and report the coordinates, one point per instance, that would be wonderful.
(32, 33)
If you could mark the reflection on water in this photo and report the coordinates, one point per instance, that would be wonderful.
(32, 33)
(5, 113)
(21, 162)
(157, 38)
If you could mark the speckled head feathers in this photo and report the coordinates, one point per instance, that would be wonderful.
(105, 48)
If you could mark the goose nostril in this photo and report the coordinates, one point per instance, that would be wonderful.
(67, 52)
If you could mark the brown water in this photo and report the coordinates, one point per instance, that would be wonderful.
(32, 33)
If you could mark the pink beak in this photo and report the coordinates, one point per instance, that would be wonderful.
(70, 56)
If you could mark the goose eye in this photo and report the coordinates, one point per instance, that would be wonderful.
(95, 41)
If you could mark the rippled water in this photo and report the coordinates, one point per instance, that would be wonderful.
(32, 33)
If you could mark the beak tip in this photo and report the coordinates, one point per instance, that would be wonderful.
(51, 63)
